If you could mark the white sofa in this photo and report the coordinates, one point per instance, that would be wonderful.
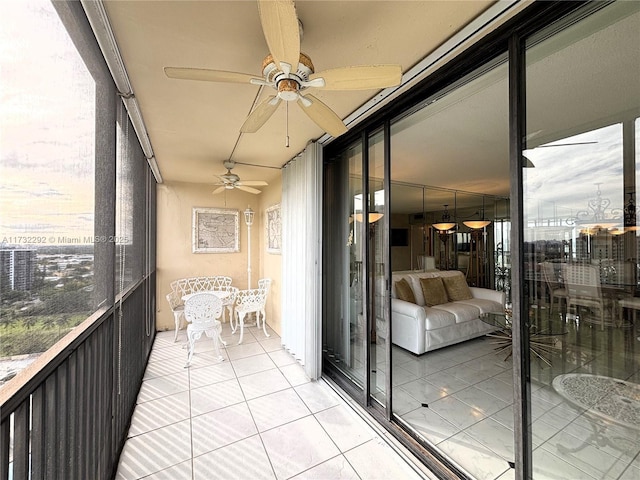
(420, 329)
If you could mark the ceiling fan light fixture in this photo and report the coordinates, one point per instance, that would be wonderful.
(289, 71)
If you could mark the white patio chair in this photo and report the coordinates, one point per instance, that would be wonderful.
(265, 283)
(556, 289)
(203, 311)
(584, 289)
(177, 307)
(229, 301)
(250, 301)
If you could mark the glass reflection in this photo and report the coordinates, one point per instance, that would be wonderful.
(581, 247)
(344, 332)
(451, 388)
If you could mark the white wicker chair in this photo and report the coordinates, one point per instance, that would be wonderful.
(203, 311)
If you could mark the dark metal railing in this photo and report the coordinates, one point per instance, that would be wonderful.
(66, 416)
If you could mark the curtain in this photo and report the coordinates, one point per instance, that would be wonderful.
(301, 258)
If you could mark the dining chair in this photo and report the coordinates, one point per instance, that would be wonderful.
(265, 283)
(177, 308)
(556, 289)
(203, 311)
(251, 301)
(584, 288)
(229, 301)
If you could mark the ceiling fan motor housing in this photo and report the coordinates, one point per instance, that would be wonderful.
(288, 86)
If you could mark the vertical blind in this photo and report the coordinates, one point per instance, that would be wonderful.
(301, 258)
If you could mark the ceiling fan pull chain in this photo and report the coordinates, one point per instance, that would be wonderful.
(286, 143)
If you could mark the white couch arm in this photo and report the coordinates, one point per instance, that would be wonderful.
(408, 325)
(486, 294)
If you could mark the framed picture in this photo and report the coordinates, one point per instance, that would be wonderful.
(215, 230)
(274, 229)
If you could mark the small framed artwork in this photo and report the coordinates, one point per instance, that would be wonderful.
(274, 229)
(215, 230)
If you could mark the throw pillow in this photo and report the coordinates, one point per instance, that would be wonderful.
(404, 292)
(457, 288)
(433, 291)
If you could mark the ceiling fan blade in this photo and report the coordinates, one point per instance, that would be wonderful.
(281, 31)
(322, 115)
(252, 183)
(207, 75)
(362, 77)
(260, 115)
(218, 190)
(247, 189)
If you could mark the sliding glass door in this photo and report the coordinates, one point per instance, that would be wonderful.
(581, 244)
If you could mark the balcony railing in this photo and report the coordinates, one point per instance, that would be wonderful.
(67, 414)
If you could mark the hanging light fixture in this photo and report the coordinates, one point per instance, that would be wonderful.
(446, 224)
(373, 217)
(478, 224)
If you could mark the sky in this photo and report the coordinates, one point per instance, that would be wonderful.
(46, 127)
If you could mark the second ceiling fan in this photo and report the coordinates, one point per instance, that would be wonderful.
(291, 73)
(230, 180)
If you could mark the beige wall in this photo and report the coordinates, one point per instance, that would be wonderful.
(175, 259)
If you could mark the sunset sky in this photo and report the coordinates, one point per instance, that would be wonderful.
(46, 109)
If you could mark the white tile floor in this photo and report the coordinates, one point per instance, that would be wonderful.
(468, 390)
(253, 416)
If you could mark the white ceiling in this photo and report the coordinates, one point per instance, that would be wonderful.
(460, 141)
(194, 126)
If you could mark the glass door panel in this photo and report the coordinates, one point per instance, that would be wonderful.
(344, 327)
(378, 257)
(450, 387)
(581, 245)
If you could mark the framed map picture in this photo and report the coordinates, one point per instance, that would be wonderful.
(215, 230)
(274, 229)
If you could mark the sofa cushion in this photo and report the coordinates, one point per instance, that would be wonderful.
(462, 312)
(437, 318)
(433, 291)
(457, 288)
(404, 292)
(485, 306)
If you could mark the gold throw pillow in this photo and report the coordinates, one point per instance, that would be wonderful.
(457, 288)
(433, 291)
(404, 292)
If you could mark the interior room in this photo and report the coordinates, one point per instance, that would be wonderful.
(449, 167)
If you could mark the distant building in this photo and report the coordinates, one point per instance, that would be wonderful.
(17, 269)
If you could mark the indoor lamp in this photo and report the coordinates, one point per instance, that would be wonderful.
(477, 224)
(373, 217)
(446, 223)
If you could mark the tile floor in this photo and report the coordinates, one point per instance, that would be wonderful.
(469, 417)
(253, 416)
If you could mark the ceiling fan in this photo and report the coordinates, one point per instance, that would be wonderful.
(230, 180)
(291, 72)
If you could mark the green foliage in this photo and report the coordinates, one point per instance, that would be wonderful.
(18, 342)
